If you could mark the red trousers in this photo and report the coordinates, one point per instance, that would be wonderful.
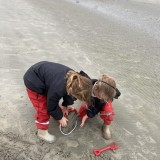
(106, 113)
(40, 104)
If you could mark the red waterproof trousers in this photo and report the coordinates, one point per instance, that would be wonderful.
(106, 113)
(40, 104)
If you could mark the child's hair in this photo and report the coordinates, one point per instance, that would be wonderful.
(106, 86)
(79, 86)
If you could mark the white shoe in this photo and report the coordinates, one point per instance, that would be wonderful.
(44, 135)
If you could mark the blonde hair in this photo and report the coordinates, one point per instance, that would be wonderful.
(79, 86)
(106, 86)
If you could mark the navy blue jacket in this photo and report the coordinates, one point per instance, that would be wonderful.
(48, 78)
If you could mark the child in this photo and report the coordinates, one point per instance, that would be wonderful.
(103, 92)
(46, 84)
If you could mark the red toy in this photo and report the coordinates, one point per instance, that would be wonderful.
(112, 147)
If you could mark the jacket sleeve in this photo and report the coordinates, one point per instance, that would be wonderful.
(92, 111)
(67, 100)
(53, 105)
(96, 107)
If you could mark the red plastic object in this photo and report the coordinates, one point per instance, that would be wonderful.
(82, 111)
(112, 147)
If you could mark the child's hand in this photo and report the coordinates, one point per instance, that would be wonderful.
(83, 120)
(65, 111)
(70, 108)
(63, 122)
